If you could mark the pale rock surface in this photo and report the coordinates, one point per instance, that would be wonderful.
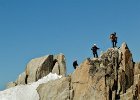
(127, 64)
(55, 90)
(40, 67)
(21, 78)
(137, 69)
(11, 84)
(56, 69)
(60, 67)
(88, 87)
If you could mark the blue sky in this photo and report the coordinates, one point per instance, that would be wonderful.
(34, 28)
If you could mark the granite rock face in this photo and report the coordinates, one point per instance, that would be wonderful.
(21, 78)
(110, 77)
(40, 67)
(60, 66)
(55, 90)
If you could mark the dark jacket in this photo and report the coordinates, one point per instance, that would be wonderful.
(113, 37)
(94, 48)
(75, 64)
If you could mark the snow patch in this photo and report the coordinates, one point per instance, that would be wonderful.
(26, 92)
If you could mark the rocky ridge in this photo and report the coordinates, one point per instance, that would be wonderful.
(40, 67)
(112, 76)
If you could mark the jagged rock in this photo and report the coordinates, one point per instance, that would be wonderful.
(127, 64)
(55, 90)
(88, 87)
(91, 81)
(60, 67)
(107, 78)
(11, 84)
(56, 69)
(113, 76)
(21, 78)
(80, 86)
(137, 69)
(110, 54)
(137, 83)
(39, 67)
(128, 95)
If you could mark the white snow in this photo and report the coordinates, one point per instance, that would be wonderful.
(26, 92)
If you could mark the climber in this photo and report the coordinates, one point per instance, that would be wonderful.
(75, 64)
(113, 39)
(94, 50)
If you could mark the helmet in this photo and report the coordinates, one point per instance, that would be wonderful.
(94, 44)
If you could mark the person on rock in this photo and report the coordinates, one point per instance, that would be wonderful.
(113, 39)
(94, 51)
(75, 64)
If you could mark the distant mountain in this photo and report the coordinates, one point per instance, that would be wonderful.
(112, 76)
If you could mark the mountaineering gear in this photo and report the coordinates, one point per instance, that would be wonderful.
(113, 39)
(94, 50)
(75, 64)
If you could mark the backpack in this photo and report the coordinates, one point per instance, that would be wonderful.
(112, 36)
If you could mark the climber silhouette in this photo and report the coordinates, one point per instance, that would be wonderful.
(94, 50)
(75, 64)
(113, 39)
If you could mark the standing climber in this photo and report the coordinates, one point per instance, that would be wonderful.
(75, 64)
(113, 39)
(94, 50)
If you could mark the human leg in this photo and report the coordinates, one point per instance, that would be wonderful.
(96, 55)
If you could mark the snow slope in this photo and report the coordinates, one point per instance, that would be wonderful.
(26, 92)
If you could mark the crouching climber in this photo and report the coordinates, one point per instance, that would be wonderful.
(75, 64)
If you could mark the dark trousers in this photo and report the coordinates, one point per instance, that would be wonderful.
(114, 44)
(74, 67)
(95, 54)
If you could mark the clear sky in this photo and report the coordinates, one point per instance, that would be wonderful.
(34, 28)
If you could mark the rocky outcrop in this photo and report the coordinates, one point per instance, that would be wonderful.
(40, 67)
(137, 69)
(88, 81)
(55, 90)
(21, 78)
(60, 66)
(110, 77)
(127, 64)
(11, 84)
